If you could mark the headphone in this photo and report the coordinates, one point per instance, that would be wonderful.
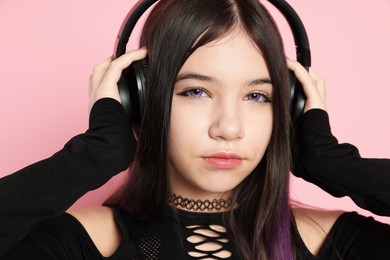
(132, 83)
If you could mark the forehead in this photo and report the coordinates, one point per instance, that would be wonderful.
(234, 54)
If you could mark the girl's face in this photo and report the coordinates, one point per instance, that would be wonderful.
(221, 118)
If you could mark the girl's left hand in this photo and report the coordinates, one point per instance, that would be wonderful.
(313, 86)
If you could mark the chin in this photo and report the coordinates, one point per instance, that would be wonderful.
(218, 187)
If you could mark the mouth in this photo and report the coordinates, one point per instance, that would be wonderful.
(223, 160)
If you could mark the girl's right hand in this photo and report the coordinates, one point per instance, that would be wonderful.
(103, 81)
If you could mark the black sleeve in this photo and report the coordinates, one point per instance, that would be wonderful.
(357, 237)
(374, 240)
(352, 237)
(60, 238)
(49, 187)
(338, 168)
(65, 238)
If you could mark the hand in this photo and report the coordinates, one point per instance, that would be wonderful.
(313, 86)
(103, 81)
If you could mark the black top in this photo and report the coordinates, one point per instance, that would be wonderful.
(352, 237)
(44, 190)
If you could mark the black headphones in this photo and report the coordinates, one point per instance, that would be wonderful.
(132, 83)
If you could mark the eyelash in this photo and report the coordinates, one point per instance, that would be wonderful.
(200, 91)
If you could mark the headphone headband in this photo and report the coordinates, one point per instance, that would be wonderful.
(299, 33)
(298, 29)
(128, 25)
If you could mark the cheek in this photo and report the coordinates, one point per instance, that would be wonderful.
(187, 128)
(259, 131)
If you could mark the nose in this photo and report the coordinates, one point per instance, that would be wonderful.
(227, 123)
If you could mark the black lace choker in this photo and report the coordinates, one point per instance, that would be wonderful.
(199, 205)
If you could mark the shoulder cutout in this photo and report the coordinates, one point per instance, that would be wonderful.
(99, 222)
(314, 225)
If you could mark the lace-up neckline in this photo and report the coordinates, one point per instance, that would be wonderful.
(180, 234)
(203, 234)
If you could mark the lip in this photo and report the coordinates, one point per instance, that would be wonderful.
(223, 160)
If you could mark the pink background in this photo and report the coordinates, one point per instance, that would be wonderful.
(48, 49)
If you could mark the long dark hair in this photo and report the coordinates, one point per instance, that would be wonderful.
(173, 30)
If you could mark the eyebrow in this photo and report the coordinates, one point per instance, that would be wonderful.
(260, 81)
(195, 76)
(200, 77)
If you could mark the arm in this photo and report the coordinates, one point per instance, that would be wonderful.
(47, 188)
(336, 168)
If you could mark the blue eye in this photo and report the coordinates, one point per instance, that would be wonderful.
(258, 97)
(194, 92)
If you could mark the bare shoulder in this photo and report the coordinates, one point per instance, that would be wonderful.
(314, 225)
(99, 222)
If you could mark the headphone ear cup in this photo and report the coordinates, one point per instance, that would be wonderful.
(297, 98)
(132, 89)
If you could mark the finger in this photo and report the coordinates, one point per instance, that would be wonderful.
(319, 82)
(108, 86)
(303, 77)
(100, 70)
(97, 75)
(312, 85)
(118, 65)
(95, 79)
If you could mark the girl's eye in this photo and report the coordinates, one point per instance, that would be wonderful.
(258, 97)
(194, 92)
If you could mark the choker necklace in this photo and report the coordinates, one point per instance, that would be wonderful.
(199, 205)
